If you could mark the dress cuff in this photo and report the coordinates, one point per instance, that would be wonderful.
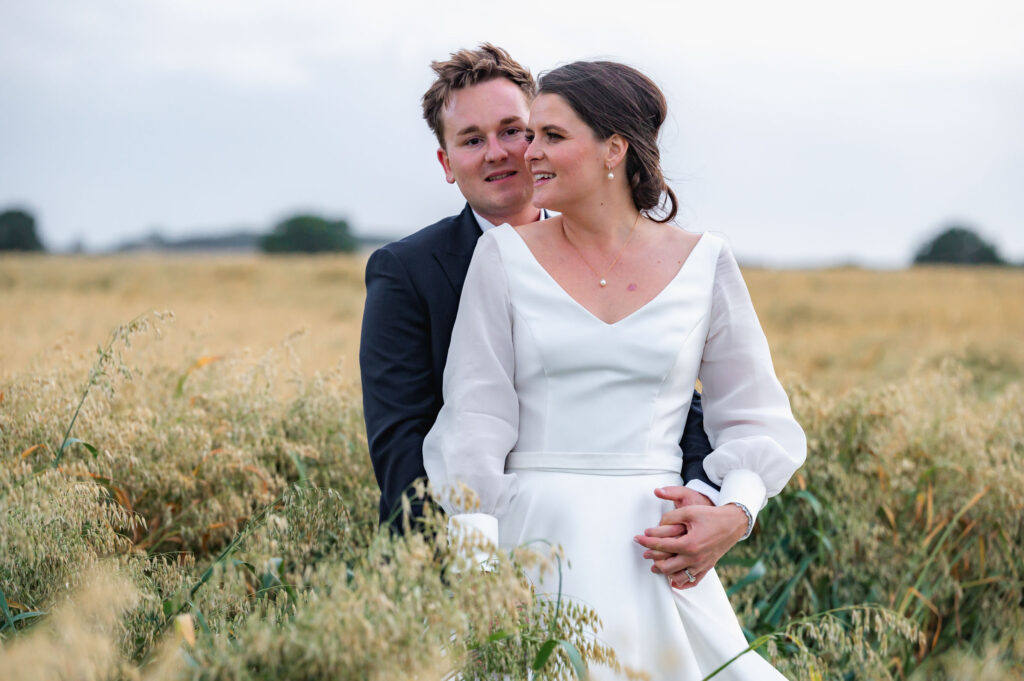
(705, 489)
(745, 487)
(480, 528)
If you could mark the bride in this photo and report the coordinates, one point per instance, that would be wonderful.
(573, 360)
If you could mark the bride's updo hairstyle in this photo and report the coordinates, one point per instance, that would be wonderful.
(613, 98)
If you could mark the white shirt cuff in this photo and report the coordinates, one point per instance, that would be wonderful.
(746, 487)
(705, 489)
(480, 528)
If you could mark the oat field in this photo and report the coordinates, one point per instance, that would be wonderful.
(185, 491)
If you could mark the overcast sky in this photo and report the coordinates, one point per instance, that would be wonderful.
(806, 132)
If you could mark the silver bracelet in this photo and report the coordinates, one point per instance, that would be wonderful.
(750, 519)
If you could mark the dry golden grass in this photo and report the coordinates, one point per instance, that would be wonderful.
(58, 309)
(833, 329)
(229, 483)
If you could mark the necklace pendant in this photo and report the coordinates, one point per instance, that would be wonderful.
(603, 283)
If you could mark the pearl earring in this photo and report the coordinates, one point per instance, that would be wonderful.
(611, 175)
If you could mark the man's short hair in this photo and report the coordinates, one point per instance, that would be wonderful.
(470, 67)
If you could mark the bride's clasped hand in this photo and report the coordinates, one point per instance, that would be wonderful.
(692, 537)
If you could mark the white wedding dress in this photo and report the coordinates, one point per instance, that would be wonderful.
(563, 425)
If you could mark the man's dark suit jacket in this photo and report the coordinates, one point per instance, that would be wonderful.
(412, 296)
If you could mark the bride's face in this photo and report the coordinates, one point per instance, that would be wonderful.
(566, 158)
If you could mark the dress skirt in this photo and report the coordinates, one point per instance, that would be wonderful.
(592, 505)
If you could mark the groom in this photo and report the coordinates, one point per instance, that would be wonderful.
(478, 108)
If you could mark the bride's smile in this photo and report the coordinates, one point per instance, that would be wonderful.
(567, 160)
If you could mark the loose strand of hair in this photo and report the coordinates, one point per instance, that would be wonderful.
(668, 198)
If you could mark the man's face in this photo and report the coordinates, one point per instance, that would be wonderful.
(485, 140)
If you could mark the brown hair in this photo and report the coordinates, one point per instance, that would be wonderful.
(469, 67)
(613, 98)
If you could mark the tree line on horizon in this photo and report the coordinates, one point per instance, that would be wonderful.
(955, 244)
(302, 233)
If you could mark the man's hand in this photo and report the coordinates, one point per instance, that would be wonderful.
(692, 536)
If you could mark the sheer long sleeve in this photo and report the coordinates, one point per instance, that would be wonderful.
(479, 422)
(758, 445)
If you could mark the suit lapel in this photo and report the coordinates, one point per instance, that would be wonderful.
(454, 257)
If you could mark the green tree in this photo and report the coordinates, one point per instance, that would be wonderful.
(309, 234)
(958, 245)
(18, 232)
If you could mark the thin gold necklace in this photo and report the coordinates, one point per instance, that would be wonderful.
(602, 281)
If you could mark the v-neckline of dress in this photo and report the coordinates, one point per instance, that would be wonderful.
(584, 308)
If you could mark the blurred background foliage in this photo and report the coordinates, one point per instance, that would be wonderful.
(958, 245)
(308, 234)
(18, 232)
